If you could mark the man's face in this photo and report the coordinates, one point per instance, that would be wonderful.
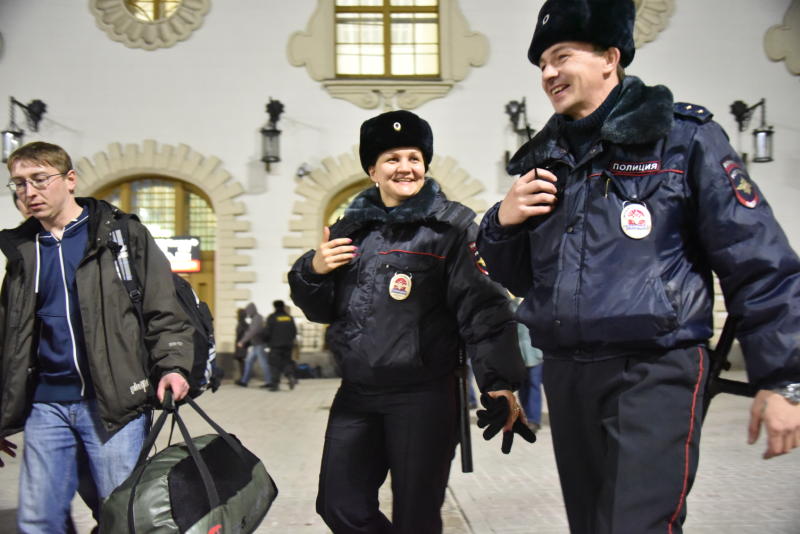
(576, 78)
(50, 204)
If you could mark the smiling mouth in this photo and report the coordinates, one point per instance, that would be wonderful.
(558, 89)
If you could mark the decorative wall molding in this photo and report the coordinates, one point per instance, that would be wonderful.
(461, 49)
(114, 18)
(781, 42)
(121, 162)
(336, 174)
(652, 16)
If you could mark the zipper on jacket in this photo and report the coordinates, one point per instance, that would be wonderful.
(69, 319)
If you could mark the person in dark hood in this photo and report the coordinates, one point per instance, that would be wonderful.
(255, 347)
(626, 203)
(399, 283)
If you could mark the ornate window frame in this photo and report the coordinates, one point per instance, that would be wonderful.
(780, 42)
(461, 49)
(652, 16)
(114, 18)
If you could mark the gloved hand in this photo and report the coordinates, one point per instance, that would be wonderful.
(494, 418)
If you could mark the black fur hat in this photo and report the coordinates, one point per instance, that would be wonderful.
(603, 22)
(391, 130)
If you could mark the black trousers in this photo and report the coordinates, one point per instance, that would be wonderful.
(409, 432)
(280, 364)
(626, 434)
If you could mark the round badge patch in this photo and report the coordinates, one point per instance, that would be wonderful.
(635, 220)
(397, 126)
(546, 19)
(400, 286)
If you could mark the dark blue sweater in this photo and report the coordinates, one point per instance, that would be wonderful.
(63, 371)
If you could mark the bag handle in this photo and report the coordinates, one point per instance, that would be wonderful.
(169, 407)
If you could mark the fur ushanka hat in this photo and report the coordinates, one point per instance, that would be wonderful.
(391, 130)
(603, 22)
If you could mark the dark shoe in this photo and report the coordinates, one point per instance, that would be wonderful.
(240, 383)
(292, 382)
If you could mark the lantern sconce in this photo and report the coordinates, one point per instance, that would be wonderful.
(762, 136)
(270, 135)
(13, 134)
(517, 114)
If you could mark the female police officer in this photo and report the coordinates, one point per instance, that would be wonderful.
(399, 283)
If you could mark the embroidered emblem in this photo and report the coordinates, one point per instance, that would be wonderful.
(743, 189)
(635, 220)
(546, 19)
(397, 126)
(400, 286)
(479, 263)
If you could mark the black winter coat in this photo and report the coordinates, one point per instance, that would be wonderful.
(591, 291)
(426, 243)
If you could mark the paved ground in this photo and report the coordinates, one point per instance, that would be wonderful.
(736, 491)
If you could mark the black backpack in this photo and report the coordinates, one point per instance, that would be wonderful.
(204, 373)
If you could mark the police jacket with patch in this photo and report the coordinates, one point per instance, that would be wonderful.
(421, 253)
(110, 326)
(592, 290)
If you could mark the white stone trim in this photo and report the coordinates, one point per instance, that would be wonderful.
(114, 18)
(652, 16)
(120, 162)
(461, 49)
(336, 174)
(781, 42)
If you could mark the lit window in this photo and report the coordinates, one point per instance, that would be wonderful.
(387, 38)
(167, 207)
(152, 10)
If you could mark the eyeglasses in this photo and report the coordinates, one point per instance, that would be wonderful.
(38, 181)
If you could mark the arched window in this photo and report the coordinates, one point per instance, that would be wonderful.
(170, 208)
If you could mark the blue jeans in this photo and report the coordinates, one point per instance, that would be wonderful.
(253, 352)
(49, 473)
(530, 395)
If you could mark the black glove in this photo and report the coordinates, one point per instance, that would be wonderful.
(494, 418)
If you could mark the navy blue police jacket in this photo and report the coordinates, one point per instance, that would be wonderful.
(594, 291)
(423, 253)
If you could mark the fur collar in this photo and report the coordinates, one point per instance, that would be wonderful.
(643, 114)
(368, 208)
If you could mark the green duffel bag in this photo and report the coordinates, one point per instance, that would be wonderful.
(208, 484)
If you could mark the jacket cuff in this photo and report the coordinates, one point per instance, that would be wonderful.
(307, 272)
(494, 231)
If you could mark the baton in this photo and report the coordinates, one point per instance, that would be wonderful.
(463, 413)
(719, 363)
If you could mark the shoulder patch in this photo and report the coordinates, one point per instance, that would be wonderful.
(692, 111)
(479, 263)
(744, 191)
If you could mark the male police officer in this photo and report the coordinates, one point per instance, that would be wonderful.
(625, 204)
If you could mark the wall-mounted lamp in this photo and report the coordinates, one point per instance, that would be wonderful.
(270, 135)
(517, 114)
(12, 136)
(762, 136)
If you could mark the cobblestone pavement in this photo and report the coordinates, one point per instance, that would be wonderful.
(736, 491)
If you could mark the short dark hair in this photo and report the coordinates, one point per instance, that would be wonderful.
(278, 305)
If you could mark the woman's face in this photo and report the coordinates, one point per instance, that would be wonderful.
(399, 174)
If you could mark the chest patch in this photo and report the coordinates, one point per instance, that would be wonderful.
(744, 191)
(634, 168)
